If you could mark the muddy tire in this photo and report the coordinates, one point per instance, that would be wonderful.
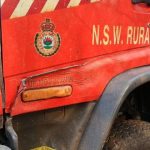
(129, 135)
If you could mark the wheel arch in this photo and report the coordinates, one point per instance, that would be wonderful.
(109, 105)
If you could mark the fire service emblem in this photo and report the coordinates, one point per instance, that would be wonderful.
(47, 42)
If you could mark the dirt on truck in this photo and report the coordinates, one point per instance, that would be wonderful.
(74, 74)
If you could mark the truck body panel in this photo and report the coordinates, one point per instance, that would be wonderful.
(93, 39)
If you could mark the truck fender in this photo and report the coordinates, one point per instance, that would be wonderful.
(107, 108)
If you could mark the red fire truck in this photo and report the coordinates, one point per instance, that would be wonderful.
(75, 74)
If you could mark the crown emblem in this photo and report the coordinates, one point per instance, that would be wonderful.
(47, 26)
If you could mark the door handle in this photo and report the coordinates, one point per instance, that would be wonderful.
(141, 1)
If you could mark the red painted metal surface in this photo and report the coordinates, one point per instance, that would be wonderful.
(88, 79)
(88, 44)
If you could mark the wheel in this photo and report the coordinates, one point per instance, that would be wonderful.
(129, 135)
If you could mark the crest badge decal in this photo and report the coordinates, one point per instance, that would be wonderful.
(47, 42)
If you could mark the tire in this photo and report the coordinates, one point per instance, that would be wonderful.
(129, 135)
